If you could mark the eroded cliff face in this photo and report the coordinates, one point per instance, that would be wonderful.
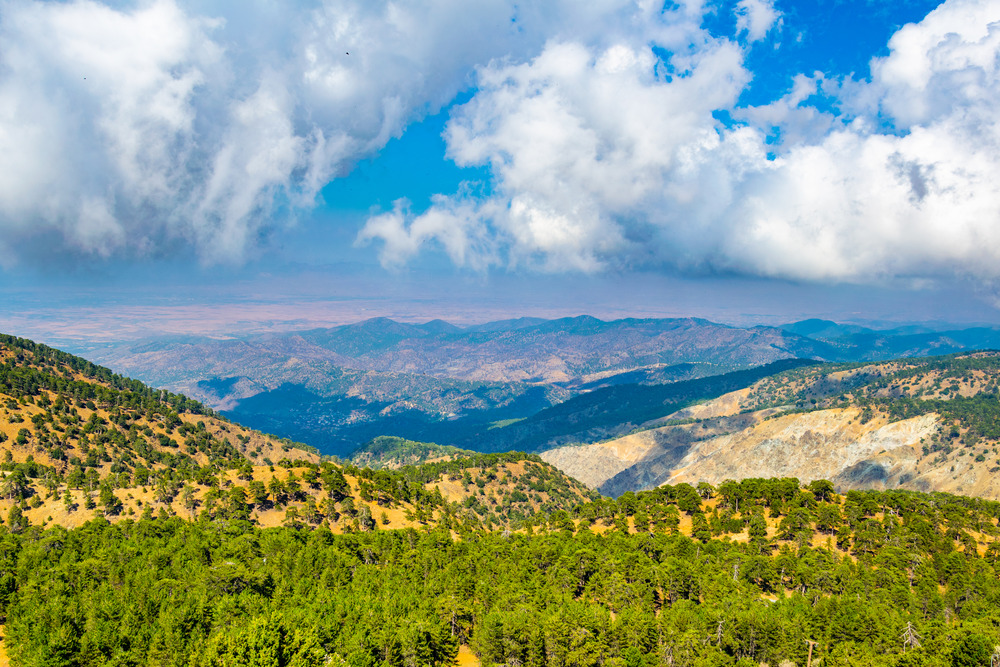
(835, 444)
(647, 458)
(826, 444)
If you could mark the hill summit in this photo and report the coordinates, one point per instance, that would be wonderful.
(78, 442)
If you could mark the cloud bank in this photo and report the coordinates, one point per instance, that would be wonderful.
(135, 128)
(610, 157)
(612, 131)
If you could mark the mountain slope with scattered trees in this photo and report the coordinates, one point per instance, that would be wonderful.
(77, 441)
(925, 424)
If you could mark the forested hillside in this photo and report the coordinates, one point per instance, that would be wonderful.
(611, 411)
(388, 451)
(751, 573)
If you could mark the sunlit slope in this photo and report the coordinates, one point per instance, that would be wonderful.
(921, 424)
(393, 453)
(79, 442)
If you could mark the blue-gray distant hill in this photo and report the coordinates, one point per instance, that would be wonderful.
(339, 387)
(856, 343)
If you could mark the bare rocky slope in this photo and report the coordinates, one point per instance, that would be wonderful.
(921, 424)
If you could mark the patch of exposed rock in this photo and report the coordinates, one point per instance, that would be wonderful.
(645, 459)
(824, 444)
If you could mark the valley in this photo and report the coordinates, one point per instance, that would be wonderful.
(336, 388)
(435, 382)
(622, 406)
(139, 523)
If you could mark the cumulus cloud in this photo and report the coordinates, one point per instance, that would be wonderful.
(579, 140)
(601, 160)
(140, 126)
(756, 18)
(457, 225)
(136, 128)
(918, 198)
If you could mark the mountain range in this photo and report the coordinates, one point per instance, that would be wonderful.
(142, 526)
(336, 388)
(921, 423)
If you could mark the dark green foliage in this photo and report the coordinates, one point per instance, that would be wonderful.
(972, 651)
(165, 591)
(513, 508)
(63, 385)
(617, 409)
(389, 451)
(53, 370)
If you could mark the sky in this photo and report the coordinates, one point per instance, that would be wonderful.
(171, 167)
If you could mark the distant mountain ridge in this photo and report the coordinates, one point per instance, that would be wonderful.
(856, 343)
(552, 350)
(338, 387)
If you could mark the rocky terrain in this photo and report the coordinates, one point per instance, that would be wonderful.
(921, 424)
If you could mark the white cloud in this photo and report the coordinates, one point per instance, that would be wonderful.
(865, 203)
(756, 18)
(581, 141)
(457, 225)
(194, 123)
(945, 63)
(597, 162)
(140, 127)
(96, 116)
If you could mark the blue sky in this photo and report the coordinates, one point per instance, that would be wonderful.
(320, 162)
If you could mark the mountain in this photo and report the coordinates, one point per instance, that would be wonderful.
(78, 441)
(855, 343)
(823, 329)
(389, 452)
(61, 411)
(490, 387)
(549, 351)
(921, 423)
(337, 388)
